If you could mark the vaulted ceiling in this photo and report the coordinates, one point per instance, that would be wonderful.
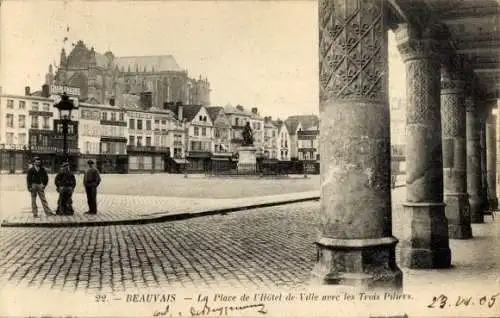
(474, 26)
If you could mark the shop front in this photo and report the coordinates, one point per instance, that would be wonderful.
(147, 159)
(107, 163)
(13, 159)
(198, 161)
(222, 163)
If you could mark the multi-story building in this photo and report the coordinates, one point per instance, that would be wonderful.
(304, 133)
(270, 138)
(257, 125)
(238, 118)
(199, 134)
(89, 140)
(221, 155)
(284, 141)
(104, 76)
(14, 125)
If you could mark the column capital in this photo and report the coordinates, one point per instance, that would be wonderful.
(418, 43)
(470, 103)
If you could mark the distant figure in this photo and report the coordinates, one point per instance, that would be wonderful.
(91, 181)
(37, 179)
(65, 183)
(247, 135)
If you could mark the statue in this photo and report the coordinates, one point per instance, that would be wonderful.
(247, 135)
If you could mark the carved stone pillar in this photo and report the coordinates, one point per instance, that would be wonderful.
(425, 243)
(357, 247)
(491, 153)
(474, 178)
(454, 149)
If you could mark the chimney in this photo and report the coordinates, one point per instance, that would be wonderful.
(112, 101)
(254, 110)
(180, 109)
(45, 91)
(27, 91)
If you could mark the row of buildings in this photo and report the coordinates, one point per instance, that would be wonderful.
(130, 133)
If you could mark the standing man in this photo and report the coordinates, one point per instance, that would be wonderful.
(37, 179)
(91, 181)
(65, 182)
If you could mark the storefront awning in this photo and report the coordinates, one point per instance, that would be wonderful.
(180, 161)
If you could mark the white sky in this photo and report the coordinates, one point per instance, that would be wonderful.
(254, 53)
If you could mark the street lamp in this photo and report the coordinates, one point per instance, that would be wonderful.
(65, 106)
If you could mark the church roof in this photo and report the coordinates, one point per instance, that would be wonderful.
(157, 63)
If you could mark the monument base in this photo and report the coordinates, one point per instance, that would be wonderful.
(247, 160)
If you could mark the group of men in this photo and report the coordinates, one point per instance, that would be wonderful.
(37, 179)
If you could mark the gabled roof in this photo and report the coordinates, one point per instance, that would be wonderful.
(306, 121)
(156, 63)
(214, 111)
(188, 111)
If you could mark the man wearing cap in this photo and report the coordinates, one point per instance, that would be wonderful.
(65, 183)
(37, 179)
(91, 181)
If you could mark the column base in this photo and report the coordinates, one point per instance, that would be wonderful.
(458, 214)
(361, 263)
(426, 242)
(476, 209)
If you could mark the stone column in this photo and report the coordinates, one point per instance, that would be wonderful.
(474, 179)
(482, 141)
(491, 153)
(425, 242)
(454, 149)
(356, 245)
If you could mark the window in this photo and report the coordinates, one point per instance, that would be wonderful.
(217, 133)
(274, 133)
(104, 116)
(148, 141)
(139, 141)
(236, 121)
(46, 107)
(34, 121)
(46, 124)
(10, 138)
(157, 140)
(21, 138)
(10, 120)
(139, 124)
(113, 116)
(204, 131)
(122, 116)
(22, 104)
(131, 140)
(131, 123)
(163, 122)
(34, 105)
(157, 124)
(10, 103)
(196, 131)
(148, 124)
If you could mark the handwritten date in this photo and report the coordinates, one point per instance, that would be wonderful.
(443, 301)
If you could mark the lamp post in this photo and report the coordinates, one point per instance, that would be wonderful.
(65, 106)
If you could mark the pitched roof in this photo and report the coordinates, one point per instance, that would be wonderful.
(214, 111)
(307, 121)
(151, 63)
(190, 111)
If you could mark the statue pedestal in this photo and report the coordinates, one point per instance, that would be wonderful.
(247, 160)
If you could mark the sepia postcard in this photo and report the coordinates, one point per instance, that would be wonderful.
(289, 158)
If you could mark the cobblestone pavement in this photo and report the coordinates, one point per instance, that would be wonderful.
(271, 247)
(175, 185)
(17, 210)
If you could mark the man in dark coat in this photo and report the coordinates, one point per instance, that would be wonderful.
(65, 182)
(37, 179)
(91, 181)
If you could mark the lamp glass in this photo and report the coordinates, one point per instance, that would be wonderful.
(65, 113)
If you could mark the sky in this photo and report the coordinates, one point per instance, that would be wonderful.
(260, 54)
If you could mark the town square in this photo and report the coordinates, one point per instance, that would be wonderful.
(339, 151)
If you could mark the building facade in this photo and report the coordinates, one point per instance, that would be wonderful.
(271, 129)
